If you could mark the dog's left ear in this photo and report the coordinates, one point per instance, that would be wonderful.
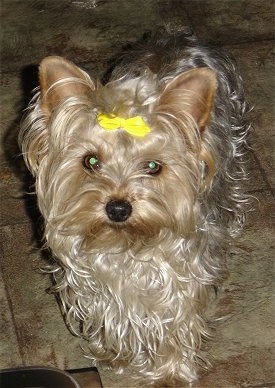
(192, 92)
(61, 79)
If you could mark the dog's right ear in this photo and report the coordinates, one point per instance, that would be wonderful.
(60, 79)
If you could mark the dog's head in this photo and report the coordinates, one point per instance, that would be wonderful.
(119, 164)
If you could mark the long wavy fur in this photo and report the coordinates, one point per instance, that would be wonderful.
(138, 291)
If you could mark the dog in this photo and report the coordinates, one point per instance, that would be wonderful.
(139, 181)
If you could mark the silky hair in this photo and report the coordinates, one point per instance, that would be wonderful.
(137, 291)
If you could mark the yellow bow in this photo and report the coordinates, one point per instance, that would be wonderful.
(134, 125)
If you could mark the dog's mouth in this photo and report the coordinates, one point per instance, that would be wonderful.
(120, 229)
(113, 237)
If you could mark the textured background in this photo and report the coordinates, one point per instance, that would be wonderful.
(91, 33)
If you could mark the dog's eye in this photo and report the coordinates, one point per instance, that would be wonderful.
(91, 162)
(152, 167)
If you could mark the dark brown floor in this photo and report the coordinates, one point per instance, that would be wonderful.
(90, 32)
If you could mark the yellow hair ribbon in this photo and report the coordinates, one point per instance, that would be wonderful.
(134, 125)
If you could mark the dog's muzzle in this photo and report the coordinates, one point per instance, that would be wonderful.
(118, 210)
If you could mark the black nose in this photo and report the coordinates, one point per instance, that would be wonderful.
(118, 211)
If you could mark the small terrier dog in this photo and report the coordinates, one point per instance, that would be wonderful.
(138, 181)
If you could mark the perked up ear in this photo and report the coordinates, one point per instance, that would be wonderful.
(194, 92)
(61, 79)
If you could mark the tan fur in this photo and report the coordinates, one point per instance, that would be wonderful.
(137, 288)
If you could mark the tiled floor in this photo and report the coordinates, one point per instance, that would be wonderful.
(91, 32)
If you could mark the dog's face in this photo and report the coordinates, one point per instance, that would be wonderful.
(112, 189)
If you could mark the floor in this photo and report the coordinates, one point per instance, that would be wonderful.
(91, 32)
